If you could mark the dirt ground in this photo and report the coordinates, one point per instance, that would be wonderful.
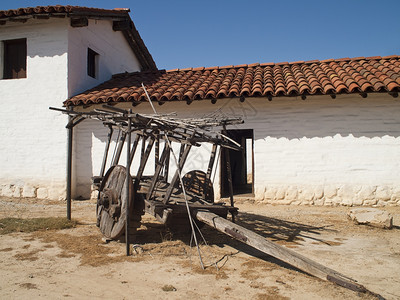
(76, 263)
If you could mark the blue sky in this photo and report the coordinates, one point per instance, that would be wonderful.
(182, 34)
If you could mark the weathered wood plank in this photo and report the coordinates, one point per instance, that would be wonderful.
(144, 158)
(260, 243)
(159, 165)
(174, 180)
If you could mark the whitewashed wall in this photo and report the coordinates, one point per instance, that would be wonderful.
(115, 55)
(319, 151)
(32, 138)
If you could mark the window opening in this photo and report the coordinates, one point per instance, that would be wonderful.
(92, 58)
(14, 59)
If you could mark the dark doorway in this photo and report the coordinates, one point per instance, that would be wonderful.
(242, 164)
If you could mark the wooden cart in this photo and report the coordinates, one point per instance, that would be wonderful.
(180, 201)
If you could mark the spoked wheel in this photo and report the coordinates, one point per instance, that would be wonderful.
(112, 205)
(198, 188)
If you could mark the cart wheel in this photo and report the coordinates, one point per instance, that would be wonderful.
(111, 205)
(197, 187)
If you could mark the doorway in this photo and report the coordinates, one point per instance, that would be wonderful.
(241, 164)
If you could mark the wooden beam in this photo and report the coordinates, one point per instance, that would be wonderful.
(134, 147)
(166, 165)
(159, 165)
(122, 25)
(128, 185)
(79, 22)
(209, 170)
(156, 151)
(286, 255)
(119, 149)
(229, 172)
(145, 157)
(174, 180)
(105, 155)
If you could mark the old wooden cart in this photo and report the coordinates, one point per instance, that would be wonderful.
(123, 197)
(177, 200)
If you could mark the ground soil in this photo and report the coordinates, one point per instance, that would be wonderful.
(77, 263)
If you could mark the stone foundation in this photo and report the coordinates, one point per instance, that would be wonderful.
(347, 195)
(52, 192)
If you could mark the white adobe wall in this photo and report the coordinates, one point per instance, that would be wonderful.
(32, 138)
(115, 56)
(328, 152)
(319, 151)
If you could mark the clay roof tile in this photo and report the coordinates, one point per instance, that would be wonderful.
(332, 76)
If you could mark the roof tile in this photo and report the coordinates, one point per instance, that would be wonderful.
(333, 76)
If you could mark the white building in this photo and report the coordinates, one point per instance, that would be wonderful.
(317, 132)
(48, 54)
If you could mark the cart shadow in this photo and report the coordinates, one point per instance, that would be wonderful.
(286, 233)
(290, 234)
(282, 231)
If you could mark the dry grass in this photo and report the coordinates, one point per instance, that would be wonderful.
(6, 249)
(9, 225)
(271, 293)
(29, 286)
(30, 256)
(168, 288)
(90, 248)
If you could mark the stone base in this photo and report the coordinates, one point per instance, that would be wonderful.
(329, 195)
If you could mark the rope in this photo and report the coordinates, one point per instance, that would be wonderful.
(183, 187)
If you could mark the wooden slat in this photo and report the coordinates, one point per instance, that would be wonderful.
(159, 166)
(174, 180)
(260, 243)
(207, 181)
(145, 157)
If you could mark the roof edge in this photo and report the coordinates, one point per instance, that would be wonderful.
(271, 64)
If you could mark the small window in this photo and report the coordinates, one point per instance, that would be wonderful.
(14, 60)
(92, 58)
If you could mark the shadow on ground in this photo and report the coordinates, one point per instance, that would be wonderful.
(277, 230)
(282, 232)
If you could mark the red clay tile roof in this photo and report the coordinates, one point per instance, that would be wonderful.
(329, 77)
(132, 35)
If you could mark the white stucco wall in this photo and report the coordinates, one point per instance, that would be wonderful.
(319, 151)
(115, 55)
(32, 137)
(33, 145)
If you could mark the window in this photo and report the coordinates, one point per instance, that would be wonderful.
(92, 58)
(14, 59)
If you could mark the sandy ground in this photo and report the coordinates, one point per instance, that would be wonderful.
(76, 263)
